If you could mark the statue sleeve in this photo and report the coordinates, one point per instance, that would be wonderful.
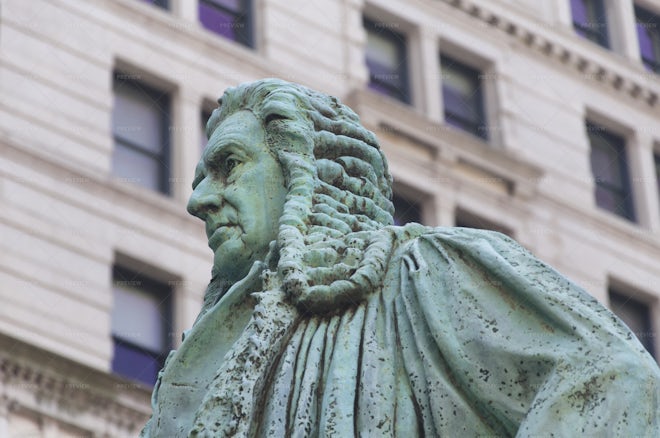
(522, 346)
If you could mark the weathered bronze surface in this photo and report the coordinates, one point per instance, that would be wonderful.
(322, 318)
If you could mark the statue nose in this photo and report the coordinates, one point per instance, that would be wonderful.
(204, 200)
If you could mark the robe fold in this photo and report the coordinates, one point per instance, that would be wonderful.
(469, 335)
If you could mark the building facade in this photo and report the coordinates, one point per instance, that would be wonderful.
(537, 119)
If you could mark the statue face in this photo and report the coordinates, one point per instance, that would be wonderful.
(239, 192)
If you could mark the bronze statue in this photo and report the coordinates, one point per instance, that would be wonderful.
(322, 318)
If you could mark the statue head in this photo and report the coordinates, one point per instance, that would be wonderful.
(293, 165)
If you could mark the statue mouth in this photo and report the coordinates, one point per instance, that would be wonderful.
(221, 234)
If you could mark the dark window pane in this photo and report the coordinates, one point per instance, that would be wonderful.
(590, 20)
(406, 211)
(229, 18)
(462, 97)
(645, 41)
(135, 363)
(656, 158)
(469, 220)
(233, 5)
(204, 119)
(636, 315)
(160, 3)
(648, 34)
(218, 21)
(605, 162)
(140, 119)
(610, 200)
(461, 106)
(579, 11)
(610, 170)
(141, 323)
(386, 60)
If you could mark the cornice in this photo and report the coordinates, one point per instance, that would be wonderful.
(632, 81)
(51, 386)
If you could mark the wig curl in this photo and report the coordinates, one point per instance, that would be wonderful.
(339, 192)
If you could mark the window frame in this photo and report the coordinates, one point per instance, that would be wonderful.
(647, 320)
(465, 218)
(480, 128)
(246, 18)
(400, 43)
(600, 9)
(155, 288)
(656, 163)
(204, 116)
(625, 193)
(163, 4)
(647, 16)
(162, 159)
(416, 207)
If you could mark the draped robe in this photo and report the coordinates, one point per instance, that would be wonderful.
(468, 335)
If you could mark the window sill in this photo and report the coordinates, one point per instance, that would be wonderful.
(445, 143)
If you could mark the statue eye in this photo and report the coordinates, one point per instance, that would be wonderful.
(230, 164)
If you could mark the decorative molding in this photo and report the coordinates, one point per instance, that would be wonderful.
(53, 387)
(625, 78)
(447, 144)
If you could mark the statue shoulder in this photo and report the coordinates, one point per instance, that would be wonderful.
(414, 235)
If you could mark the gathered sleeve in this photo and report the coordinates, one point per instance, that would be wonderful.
(525, 351)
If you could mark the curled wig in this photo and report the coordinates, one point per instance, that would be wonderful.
(339, 192)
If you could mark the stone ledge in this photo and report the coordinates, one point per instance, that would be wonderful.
(51, 386)
(632, 81)
(449, 145)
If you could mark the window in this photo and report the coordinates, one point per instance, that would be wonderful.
(590, 21)
(160, 3)
(140, 325)
(204, 117)
(386, 60)
(140, 120)
(610, 170)
(470, 220)
(406, 211)
(229, 18)
(462, 97)
(656, 159)
(648, 33)
(636, 315)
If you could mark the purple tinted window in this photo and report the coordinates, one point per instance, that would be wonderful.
(217, 21)
(135, 363)
(380, 88)
(386, 61)
(648, 34)
(234, 5)
(229, 18)
(645, 42)
(140, 323)
(590, 20)
(462, 98)
(579, 11)
(460, 105)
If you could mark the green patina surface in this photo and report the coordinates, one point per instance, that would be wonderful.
(323, 319)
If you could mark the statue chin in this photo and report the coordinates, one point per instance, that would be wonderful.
(232, 260)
